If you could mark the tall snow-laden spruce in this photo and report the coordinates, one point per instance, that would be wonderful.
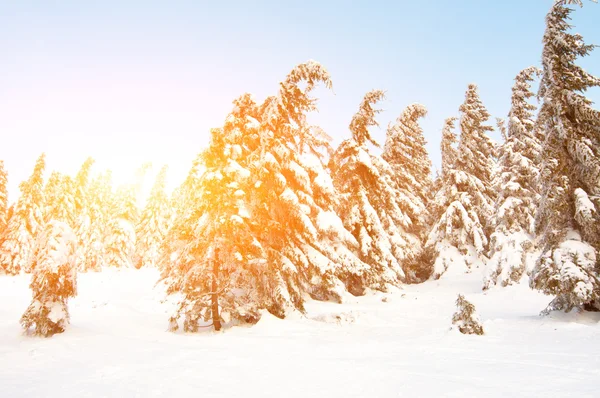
(16, 249)
(567, 223)
(371, 202)
(516, 183)
(464, 199)
(264, 215)
(3, 200)
(405, 152)
(153, 225)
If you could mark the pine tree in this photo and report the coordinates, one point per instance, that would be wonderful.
(83, 217)
(371, 201)
(119, 246)
(516, 184)
(3, 200)
(54, 273)
(217, 229)
(265, 211)
(465, 318)
(567, 221)
(92, 254)
(448, 145)
(464, 199)
(153, 226)
(405, 151)
(59, 199)
(24, 225)
(53, 281)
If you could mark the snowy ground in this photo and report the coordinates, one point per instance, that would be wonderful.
(117, 346)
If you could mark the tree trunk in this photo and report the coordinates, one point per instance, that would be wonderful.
(214, 296)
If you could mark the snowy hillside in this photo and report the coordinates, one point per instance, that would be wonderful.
(381, 345)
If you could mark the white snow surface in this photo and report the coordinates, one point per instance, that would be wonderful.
(397, 344)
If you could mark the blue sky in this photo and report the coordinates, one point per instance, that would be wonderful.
(133, 81)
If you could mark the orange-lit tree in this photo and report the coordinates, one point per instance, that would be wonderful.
(54, 273)
(267, 205)
(59, 199)
(153, 225)
(23, 226)
(82, 223)
(216, 227)
(119, 242)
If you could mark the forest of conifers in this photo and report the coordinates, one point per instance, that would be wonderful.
(271, 215)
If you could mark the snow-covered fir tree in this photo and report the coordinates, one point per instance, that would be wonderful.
(465, 194)
(567, 222)
(308, 249)
(516, 183)
(54, 273)
(16, 249)
(3, 199)
(53, 281)
(119, 243)
(59, 199)
(91, 255)
(217, 230)
(405, 151)
(448, 145)
(465, 318)
(153, 225)
(83, 217)
(371, 202)
(265, 211)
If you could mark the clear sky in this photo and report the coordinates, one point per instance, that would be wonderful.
(133, 81)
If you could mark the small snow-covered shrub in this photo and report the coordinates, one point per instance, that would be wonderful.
(465, 317)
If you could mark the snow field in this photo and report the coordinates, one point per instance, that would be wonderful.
(397, 344)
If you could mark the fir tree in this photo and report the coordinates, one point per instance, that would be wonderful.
(91, 255)
(465, 317)
(59, 199)
(153, 226)
(120, 239)
(516, 184)
(53, 281)
(119, 245)
(405, 151)
(371, 201)
(23, 226)
(266, 206)
(217, 229)
(54, 275)
(463, 203)
(83, 217)
(448, 145)
(567, 221)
